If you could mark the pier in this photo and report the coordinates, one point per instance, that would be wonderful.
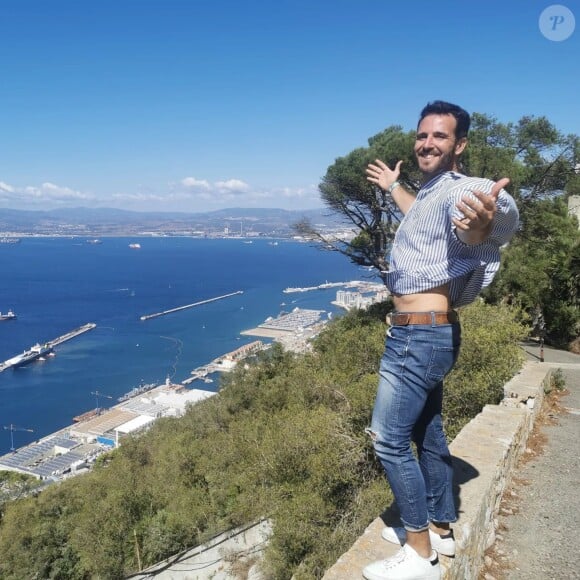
(171, 310)
(225, 362)
(37, 351)
(324, 286)
(72, 334)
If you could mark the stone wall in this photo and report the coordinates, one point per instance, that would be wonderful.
(485, 454)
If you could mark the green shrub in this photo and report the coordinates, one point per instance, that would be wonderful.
(284, 439)
(490, 355)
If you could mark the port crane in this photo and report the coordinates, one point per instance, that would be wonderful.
(97, 395)
(13, 428)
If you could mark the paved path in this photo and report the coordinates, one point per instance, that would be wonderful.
(539, 541)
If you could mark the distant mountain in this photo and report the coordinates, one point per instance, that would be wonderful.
(102, 221)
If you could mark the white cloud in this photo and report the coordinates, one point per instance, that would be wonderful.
(232, 186)
(212, 195)
(138, 197)
(296, 192)
(188, 194)
(48, 194)
(193, 183)
(5, 187)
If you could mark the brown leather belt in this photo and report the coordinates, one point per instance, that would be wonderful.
(406, 318)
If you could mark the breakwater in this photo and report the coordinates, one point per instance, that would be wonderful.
(72, 334)
(171, 310)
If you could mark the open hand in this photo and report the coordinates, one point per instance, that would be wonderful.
(479, 212)
(380, 173)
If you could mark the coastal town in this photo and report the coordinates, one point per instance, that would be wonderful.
(247, 224)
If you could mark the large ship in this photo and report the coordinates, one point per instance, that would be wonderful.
(29, 355)
(8, 316)
(38, 350)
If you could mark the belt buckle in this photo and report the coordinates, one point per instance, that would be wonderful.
(398, 318)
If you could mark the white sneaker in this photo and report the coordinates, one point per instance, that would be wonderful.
(406, 564)
(443, 544)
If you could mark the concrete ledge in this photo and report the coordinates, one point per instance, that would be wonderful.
(484, 455)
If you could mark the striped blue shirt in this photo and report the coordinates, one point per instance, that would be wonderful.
(426, 251)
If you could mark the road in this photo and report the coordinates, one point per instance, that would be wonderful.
(539, 515)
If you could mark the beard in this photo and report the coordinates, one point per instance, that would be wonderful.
(438, 163)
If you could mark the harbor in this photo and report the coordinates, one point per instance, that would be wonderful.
(179, 308)
(226, 362)
(74, 449)
(122, 349)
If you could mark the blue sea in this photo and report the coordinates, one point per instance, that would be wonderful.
(56, 285)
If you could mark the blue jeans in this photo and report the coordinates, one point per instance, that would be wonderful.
(408, 408)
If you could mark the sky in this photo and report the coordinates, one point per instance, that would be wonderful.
(198, 105)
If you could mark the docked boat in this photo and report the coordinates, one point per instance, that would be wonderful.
(86, 416)
(136, 391)
(9, 240)
(7, 316)
(35, 352)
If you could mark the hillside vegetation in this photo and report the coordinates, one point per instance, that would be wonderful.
(284, 439)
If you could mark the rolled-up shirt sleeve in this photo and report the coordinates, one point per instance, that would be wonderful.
(427, 253)
(506, 219)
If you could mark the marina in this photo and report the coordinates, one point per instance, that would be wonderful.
(179, 308)
(292, 330)
(225, 362)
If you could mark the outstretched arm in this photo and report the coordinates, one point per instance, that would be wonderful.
(479, 213)
(380, 173)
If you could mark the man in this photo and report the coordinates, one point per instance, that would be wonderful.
(445, 251)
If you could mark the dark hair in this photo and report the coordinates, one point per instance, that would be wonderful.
(443, 108)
